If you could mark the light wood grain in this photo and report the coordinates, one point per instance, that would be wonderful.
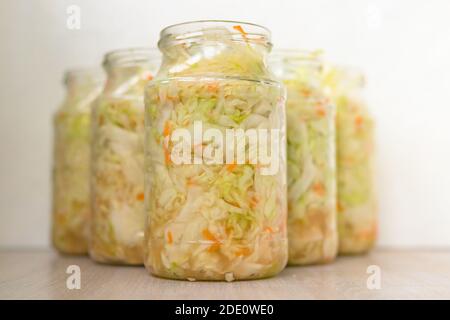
(404, 275)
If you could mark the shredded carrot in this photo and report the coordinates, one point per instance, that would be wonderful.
(169, 237)
(208, 235)
(243, 252)
(321, 111)
(149, 77)
(241, 30)
(268, 229)
(305, 92)
(319, 189)
(214, 248)
(359, 121)
(230, 167)
(190, 181)
(167, 129)
(167, 155)
(140, 196)
(253, 201)
(212, 87)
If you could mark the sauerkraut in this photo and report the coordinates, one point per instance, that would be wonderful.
(312, 229)
(118, 159)
(357, 218)
(223, 220)
(71, 162)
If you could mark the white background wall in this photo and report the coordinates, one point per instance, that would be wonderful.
(404, 47)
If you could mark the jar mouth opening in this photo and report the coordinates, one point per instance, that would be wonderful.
(346, 75)
(92, 75)
(193, 31)
(131, 57)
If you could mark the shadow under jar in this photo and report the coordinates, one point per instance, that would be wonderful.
(311, 163)
(71, 161)
(214, 212)
(117, 179)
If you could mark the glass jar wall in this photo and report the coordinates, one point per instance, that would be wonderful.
(71, 161)
(312, 229)
(214, 212)
(117, 183)
(357, 217)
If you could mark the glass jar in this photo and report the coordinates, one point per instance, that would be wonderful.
(71, 161)
(312, 226)
(216, 208)
(357, 214)
(117, 182)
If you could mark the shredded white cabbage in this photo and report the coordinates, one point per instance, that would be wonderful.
(71, 162)
(223, 221)
(118, 217)
(312, 228)
(357, 217)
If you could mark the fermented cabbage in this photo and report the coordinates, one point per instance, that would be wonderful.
(214, 220)
(357, 218)
(312, 229)
(118, 159)
(71, 162)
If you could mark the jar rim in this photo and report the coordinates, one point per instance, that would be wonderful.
(292, 59)
(193, 30)
(300, 55)
(346, 74)
(84, 74)
(130, 56)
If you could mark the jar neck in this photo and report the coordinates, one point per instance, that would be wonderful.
(129, 70)
(301, 66)
(83, 86)
(339, 80)
(216, 49)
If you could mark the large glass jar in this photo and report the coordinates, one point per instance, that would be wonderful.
(71, 161)
(312, 226)
(117, 179)
(216, 210)
(357, 217)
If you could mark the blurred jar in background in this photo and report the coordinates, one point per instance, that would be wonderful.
(312, 225)
(117, 178)
(357, 215)
(220, 216)
(71, 161)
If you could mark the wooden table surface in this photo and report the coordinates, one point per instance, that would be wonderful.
(34, 274)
